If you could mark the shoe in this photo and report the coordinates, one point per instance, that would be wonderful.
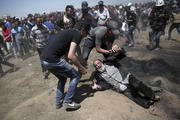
(58, 106)
(158, 48)
(71, 106)
(131, 45)
(46, 74)
(150, 47)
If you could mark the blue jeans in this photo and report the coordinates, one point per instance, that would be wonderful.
(22, 46)
(155, 35)
(63, 70)
(129, 34)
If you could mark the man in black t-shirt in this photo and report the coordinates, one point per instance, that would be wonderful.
(51, 58)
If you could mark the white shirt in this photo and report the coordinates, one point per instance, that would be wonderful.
(102, 16)
(113, 76)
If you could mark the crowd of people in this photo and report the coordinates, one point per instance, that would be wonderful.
(57, 36)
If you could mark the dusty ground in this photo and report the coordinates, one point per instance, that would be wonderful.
(24, 93)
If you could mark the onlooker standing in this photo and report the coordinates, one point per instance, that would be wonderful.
(158, 19)
(176, 21)
(131, 21)
(87, 15)
(8, 39)
(39, 37)
(20, 38)
(3, 61)
(66, 21)
(8, 22)
(102, 14)
(50, 25)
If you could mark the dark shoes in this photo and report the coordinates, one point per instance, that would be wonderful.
(71, 106)
(46, 74)
(58, 106)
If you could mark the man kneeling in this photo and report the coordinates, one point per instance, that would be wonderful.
(123, 82)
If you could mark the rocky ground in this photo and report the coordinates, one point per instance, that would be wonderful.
(25, 95)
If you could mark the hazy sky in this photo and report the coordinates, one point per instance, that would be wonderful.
(21, 8)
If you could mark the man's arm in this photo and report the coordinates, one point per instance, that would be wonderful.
(74, 58)
(103, 51)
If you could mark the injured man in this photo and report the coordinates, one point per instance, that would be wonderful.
(123, 82)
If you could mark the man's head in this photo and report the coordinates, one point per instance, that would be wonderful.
(101, 4)
(69, 11)
(51, 17)
(83, 28)
(84, 7)
(113, 27)
(98, 64)
(39, 22)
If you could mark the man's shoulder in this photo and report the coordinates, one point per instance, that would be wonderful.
(100, 29)
(34, 28)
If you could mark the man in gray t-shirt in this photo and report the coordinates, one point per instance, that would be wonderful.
(101, 38)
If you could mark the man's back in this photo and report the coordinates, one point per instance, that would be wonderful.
(59, 44)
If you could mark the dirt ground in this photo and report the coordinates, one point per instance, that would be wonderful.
(24, 94)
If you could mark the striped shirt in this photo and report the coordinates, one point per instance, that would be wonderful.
(40, 35)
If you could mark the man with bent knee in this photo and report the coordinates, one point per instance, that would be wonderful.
(65, 42)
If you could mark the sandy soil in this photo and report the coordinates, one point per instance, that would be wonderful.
(24, 93)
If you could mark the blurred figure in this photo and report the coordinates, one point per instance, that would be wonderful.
(3, 61)
(131, 21)
(176, 21)
(87, 15)
(50, 25)
(39, 37)
(102, 14)
(20, 38)
(8, 39)
(66, 21)
(158, 20)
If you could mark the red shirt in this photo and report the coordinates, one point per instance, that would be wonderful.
(6, 33)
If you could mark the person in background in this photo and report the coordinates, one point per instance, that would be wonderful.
(158, 20)
(50, 25)
(131, 21)
(8, 39)
(39, 37)
(20, 38)
(67, 21)
(176, 21)
(4, 62)
(102, 14)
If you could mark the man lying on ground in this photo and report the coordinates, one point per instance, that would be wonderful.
(123, 82)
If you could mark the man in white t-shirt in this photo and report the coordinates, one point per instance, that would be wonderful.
(102, 14)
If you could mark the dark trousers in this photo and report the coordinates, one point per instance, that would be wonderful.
(134, 89)
(39, 52)
(173, 25)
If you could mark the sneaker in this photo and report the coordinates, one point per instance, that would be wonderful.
(71, 106)
(158, 48)
(131, 45)
(46, 74)
(58, 106)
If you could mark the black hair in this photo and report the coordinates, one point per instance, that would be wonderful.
(69, 6)
(82, 25)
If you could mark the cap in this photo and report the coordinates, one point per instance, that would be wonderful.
(100, 3)
(113, 25)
